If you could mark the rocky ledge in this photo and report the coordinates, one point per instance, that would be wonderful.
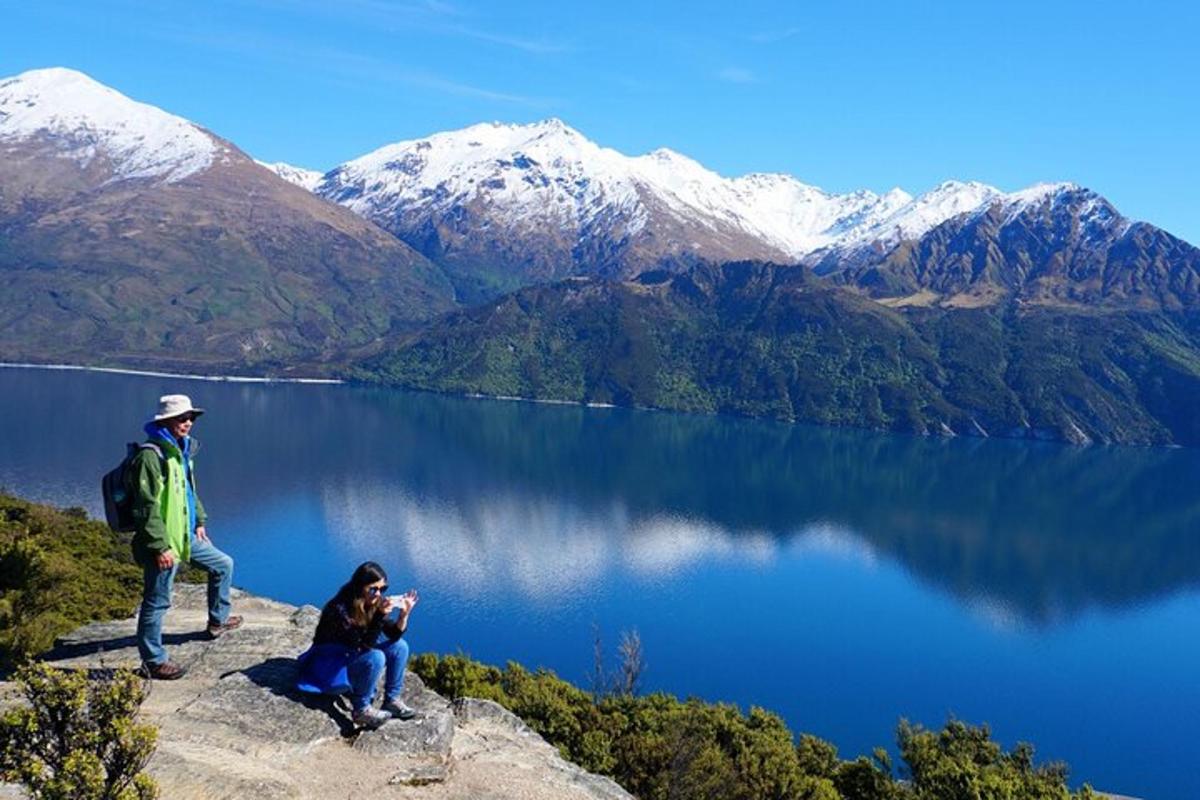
(235, 727)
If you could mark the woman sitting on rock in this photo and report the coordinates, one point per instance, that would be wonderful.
(356, 642)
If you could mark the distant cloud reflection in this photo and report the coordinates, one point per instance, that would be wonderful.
(549, 551)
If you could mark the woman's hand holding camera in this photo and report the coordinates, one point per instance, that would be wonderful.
(404, 602)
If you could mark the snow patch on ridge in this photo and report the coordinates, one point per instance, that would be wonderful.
(140, 140)
(304, 178)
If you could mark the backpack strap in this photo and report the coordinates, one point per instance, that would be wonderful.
(137, 447)
(151, 446)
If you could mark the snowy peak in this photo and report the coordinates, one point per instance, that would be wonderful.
(85, 119)
(544, 171)
(909, 218)
(308, 179)
(548, 172)
(550, 140)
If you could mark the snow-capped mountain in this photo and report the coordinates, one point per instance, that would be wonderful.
(531, 202)
(523, 177)
(304, 178)
(108, 205)
(507, 205)
(89, 123)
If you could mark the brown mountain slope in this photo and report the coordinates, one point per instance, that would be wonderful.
(1070, 249)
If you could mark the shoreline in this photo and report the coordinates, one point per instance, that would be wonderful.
(160, 374)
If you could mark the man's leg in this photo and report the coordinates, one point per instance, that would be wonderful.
(220, 578)
(156, 599)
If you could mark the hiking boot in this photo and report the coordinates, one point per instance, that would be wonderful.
(370, 718)
(219, 629)
(166, 671)
(398, 709)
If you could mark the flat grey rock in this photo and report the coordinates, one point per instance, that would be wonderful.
(468, 709)
(236, 727)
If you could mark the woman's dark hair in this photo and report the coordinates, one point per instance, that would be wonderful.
(351, 593)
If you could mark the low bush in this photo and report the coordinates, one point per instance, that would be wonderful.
(660, 748)
(77, 738)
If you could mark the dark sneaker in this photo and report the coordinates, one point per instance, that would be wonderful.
(219, 629)
(166, 671)
(398, 709)
(370, 718)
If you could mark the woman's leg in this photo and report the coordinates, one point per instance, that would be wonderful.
(396, 655)
(364, 671)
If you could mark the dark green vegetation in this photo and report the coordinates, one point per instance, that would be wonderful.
(77, 738)
(762, 340)
(658, 747)
(58, 570)
(230, 269)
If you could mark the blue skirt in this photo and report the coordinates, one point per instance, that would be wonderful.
(322, 669)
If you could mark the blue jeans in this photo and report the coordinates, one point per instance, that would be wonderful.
(156, 596)
(365, 669)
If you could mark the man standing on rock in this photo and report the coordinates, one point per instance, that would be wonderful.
(169, 520)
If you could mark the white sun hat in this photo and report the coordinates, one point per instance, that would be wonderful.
(175, 405)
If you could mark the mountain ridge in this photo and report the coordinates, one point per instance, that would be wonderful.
(494, 187)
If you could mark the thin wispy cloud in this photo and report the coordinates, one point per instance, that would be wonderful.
(770, 37)
(735, 75)
(372, 10)
(537, 46)
(345, 64)
(429, 16)
(438, 83)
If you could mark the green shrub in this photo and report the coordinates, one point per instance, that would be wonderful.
(961, 762)
(77, 739)
(659, 748)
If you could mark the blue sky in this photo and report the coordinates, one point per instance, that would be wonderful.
(843, 95)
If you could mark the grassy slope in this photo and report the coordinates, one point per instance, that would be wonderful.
(232, 268)
(58, 570)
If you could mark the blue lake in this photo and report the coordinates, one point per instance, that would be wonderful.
(842, 579)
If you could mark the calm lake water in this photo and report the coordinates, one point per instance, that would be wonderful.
(842, 579)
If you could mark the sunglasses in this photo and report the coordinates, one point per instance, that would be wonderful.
(377, 589)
